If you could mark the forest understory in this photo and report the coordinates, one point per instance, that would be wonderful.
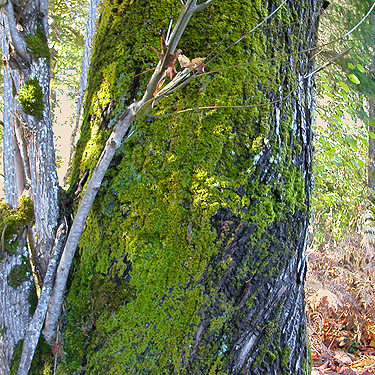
(340, 306)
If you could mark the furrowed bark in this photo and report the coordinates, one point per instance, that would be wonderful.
(14, 306)
(32, 66)
(197, 241)
(29, 158)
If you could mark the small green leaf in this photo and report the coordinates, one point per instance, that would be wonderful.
(344, 86)
(351, 66)
(361, 68)
(361, 163)
(352, 142)
(353, 78)
(371, 134)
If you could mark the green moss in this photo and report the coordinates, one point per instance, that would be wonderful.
(3, 330)
(37, 44)
(12, 221)
(17, 351)
(42, 363)
(19, 274)
(31, 98)
(284, 359)
(32, 299)
(150, 235)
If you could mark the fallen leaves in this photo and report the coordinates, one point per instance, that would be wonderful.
(340, 300)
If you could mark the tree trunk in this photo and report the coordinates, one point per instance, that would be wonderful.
(16, 284)
(29, 167)
(192, 260)
(29, 121)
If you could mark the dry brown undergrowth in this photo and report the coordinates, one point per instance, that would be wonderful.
(340, 303)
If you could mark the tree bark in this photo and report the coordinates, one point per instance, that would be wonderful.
(197, 240)
(29, 122)
(16, 283)
(192, 260)
(29, 162)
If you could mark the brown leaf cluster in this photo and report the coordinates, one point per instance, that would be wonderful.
(170, 67)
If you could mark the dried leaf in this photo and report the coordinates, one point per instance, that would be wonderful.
(163, 48)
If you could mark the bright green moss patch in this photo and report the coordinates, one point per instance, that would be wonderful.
(12, 221)
(31, 98)
(37, 44)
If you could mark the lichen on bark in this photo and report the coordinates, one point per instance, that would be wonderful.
(201, 220)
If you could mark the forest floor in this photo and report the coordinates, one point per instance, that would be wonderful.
(340, 302)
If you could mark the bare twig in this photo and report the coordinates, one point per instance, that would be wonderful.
(220, 107)
(248, 33)
(328, 63)
(359, 23)
(203, 5)
(33, 332)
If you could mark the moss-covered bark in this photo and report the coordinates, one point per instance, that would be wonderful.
(192, 260)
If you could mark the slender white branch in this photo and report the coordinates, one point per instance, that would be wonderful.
(328, 63)
(35, 326)
(248, 33)
(360, 22)
(204, 5)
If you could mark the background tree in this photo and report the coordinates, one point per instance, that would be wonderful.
(207, 270)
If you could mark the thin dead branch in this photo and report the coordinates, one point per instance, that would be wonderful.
(2, 244)
(33, 332)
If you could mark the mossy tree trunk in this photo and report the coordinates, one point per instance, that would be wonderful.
(29, 164)
(25, 27)
(192, 260)
(17, 297)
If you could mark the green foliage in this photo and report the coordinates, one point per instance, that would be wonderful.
(340, 163)
(67, 40)
(31, 98)
(341, 140)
